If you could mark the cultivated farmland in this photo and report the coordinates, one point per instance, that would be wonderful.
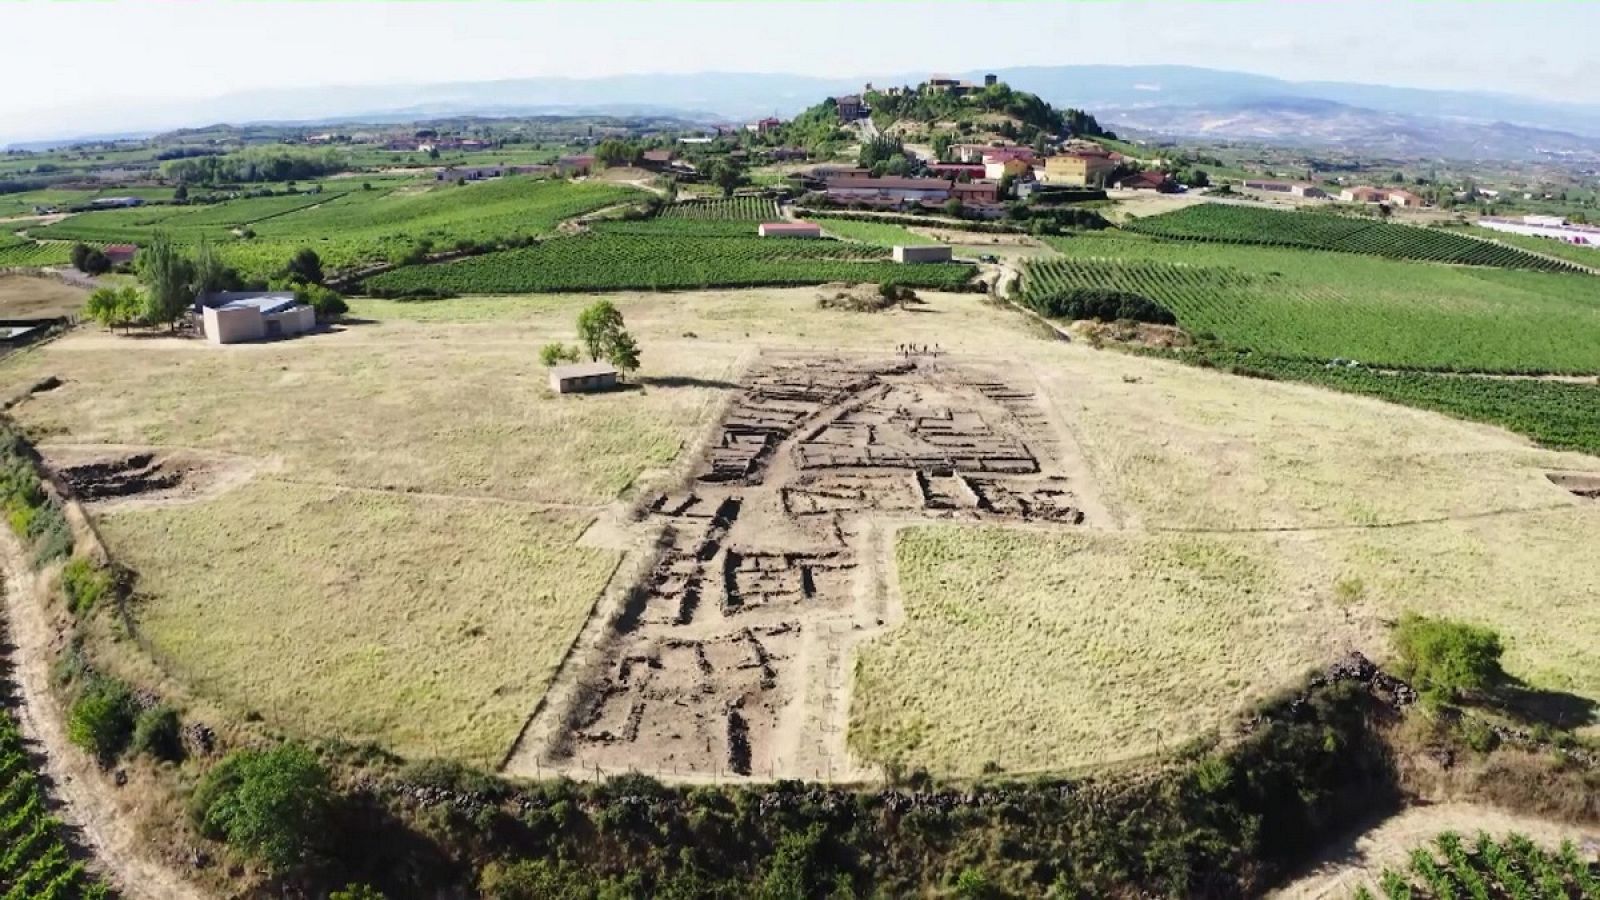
(35, 862)
(614, 261)
(1320, 306)
(1321, 231)
(876, 233)
(736, 209)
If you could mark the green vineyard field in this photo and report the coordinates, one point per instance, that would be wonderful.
(877, 233)
(1321, 231)
(35, 863)
(1509, 869)
(608, 261)
(724, 209)
(28, 253)
(1319, 306)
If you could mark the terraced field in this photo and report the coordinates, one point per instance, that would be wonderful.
(1320, 231)
(1302, 305)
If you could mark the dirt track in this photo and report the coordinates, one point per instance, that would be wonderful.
(731, 655)
(90, 803)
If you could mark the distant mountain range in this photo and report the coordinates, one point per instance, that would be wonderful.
(1175, 100)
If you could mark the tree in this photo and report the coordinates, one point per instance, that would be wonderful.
(623, 352)
(602, 331)
(181, 193)
(210, 273)
(1444, 659)
(305, 267)
(168, 278)
(952, 207)
(102, 719)
(597, 327)
(271, 804)
(89, 260)
(725, 174)
(941, 145)
(113, 307)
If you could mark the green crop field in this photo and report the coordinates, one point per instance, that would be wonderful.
(34, 860)
(1308, 305)
(1321, 231)
(1512, 868)
(609, 261)
(738, 209)
(349, 225)
(29, 253)
(877, 233)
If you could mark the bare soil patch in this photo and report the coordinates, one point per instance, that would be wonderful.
(730, 656)
(1579, 484)
(1138, 334)
(106, 477)
(38, 297)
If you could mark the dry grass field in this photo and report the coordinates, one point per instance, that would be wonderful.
(27, 297)
(402, 565)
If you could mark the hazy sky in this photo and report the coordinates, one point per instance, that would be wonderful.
(74, 57)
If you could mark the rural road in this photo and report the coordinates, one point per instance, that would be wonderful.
(89, 805)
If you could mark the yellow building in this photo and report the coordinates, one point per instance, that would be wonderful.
(1078, 169)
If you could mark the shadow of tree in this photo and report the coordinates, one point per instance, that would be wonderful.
(684, 381)
(1536, 706)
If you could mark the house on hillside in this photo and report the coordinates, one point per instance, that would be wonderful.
(788, 154)
(576, 165)
(1160, 182)
(1361, 195)
(233, 317)
(770, 123)
(849, 107)
(120, 254)
(1016, 167)
(1553, 227)
(976, 193)
(655, 160)
(1406, 199)
(1080, 168)
(956, 170)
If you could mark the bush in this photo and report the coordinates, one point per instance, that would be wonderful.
(1445, 659)
(326, 301)
(102, 719)
(554, 354)
(1103, 304)
(535, 879)
(270, 804)
(84, 584)
(155, 734)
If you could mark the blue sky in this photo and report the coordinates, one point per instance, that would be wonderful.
(104, 60)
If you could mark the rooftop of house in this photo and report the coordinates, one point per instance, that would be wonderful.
(266, 302)
(888, 183)
(583, 370)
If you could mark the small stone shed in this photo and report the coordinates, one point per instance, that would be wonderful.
(789, 229)
(232, 317)
(929, 254)
(583, 378)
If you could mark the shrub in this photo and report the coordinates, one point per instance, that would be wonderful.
(155, 734)
(51, 533)
(1445, 659)
(554, 354)
(535, 879)
(1103, 304)
(357, 892)
(270, 804)
(326, 301)
(102, 719)
(85, 585)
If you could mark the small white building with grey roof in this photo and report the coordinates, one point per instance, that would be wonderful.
(583, 377)
(233, 317)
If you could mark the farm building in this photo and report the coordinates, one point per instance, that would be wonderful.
(120, 254)
(655, 160)
(957, 170)
(115, 202)
(1082, 168)
(479, 173)
(770, 123)
(849, 107)
(977, 193)
(583, 378)
(1293, 188)
(1147, 181)
(931, 253)
(789, 229)
(1393, 196)
(1016, 167)
(232, 317)
(1553, 227)
(922, 190)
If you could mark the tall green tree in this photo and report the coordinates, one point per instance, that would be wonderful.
(210, 272)
(115, 307)
(598, 326)
(168, 277)
(305, 266)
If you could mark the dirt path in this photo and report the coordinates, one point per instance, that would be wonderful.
(1361, 859)
(89, 803)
